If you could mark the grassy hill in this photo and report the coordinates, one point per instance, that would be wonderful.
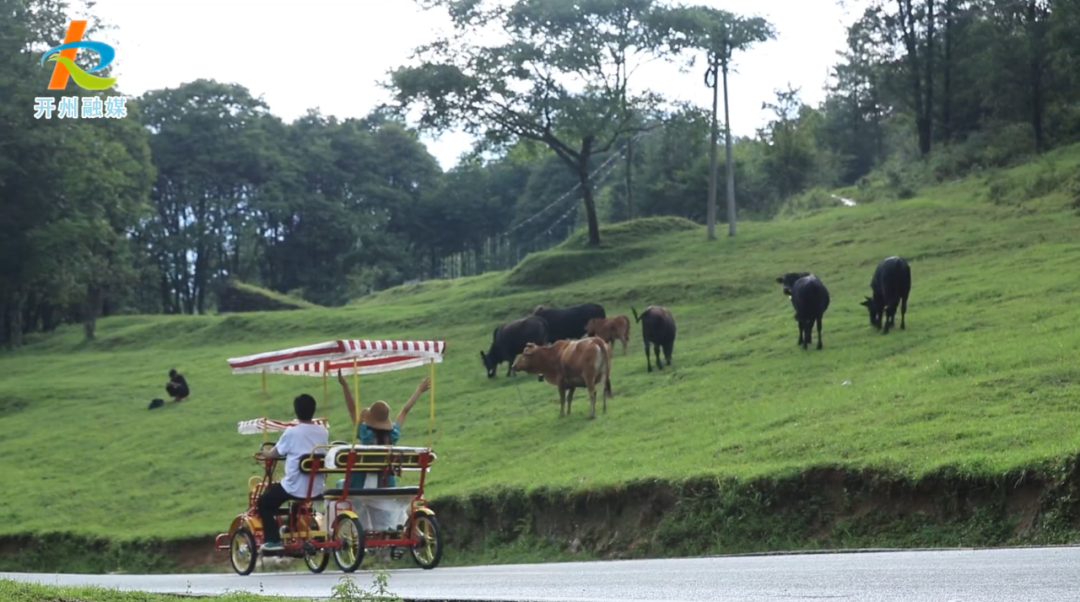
(236, 297)
(984, 379)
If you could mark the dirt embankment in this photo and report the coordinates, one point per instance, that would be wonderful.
(819, 509)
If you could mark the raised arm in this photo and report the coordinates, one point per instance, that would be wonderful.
(349, 402)
(423, 386)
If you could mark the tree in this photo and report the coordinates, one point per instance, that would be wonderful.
(719, 34)
(670, 182)
(208, 147)
(112, 191)
(1036, 28)
(346, 211)
(71, 190)
(524, 87)
(791, 148)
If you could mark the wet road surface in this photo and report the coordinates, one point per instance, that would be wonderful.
(1004, 575)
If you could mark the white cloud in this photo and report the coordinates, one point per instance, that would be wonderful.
(328, 54)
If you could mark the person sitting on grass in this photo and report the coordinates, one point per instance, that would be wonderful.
(177, 387)
(375, 427)
(295, 442)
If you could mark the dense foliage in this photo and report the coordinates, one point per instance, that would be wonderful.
(201, 186)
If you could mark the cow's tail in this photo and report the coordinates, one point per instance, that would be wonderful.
(606, 358)
(637, 318)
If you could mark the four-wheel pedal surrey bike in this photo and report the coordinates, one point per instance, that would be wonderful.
(342, 522)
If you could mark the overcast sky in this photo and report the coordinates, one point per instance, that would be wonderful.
(295, 55)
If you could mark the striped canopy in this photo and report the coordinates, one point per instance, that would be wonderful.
(370, 357)
(262, 425)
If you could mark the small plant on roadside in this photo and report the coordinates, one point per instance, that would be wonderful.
(348, 591)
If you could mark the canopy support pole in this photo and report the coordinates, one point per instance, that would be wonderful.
(262, 404)
(431, 422)
(356, 401)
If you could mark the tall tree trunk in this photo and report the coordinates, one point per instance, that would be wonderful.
(5, 329)
(1035, 72)
(94, 301)
(202, 277)
(928, 107)
(49, 318)
(32, 316)
(15, 319)
(587, 191)
(879, 132)
(910, 35)
(166, 295)
(946, 100)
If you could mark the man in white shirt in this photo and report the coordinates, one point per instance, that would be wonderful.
(296, 441)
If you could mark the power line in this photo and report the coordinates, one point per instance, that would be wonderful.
(576, 186)
(597, 178)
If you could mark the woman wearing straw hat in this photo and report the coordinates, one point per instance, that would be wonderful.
(375, 427)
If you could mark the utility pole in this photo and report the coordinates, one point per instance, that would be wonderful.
(711, 73)
(727, 127)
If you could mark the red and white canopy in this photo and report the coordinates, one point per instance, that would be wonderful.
(370, 357)
(264, 425)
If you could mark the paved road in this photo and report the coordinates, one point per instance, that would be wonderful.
(1011, 575)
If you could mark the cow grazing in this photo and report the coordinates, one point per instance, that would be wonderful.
(810, 299)
(509, 340)
(569, 365)
(789, 279)
(891, 285)
(568, 322)
(610, 329)
(658, 328)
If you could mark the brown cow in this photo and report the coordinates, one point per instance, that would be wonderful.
(569, 364)
(610, 329)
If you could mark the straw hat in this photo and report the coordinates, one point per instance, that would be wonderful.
(378, 416)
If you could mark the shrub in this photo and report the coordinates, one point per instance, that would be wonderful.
(999, 190)
(809, 202)
(1047, 181)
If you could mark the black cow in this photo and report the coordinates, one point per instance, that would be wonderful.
(569, 322)
(509, 340)
(658, 328)
(789, 279)
(891, 285)
(810, 299)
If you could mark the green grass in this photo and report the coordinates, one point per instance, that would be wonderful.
(984, 379)
(15, 591)
(238, 296)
